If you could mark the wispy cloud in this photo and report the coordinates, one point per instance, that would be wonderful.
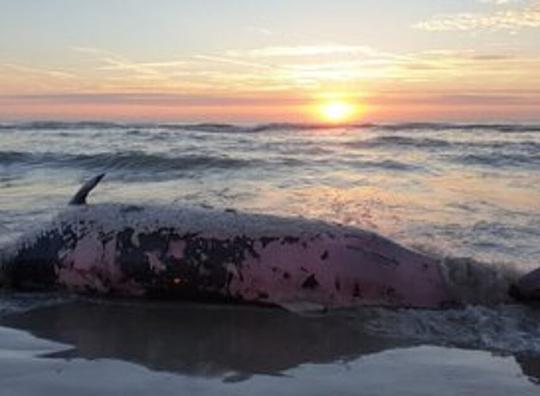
(278, 75)
(303, 51)
(37, 71)
(260, 30)
(499, 2)
(508, 19)
(279, 68)
(111, 61)
(145, 67)
(228, 60)
(21, 78)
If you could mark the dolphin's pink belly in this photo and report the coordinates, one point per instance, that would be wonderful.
(341, 272)
(332, 270)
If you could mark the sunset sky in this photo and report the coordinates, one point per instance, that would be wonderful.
(279, 60)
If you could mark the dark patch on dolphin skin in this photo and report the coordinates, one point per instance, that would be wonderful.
(355, 236)
(289, 240)
(286, 275)
(310, 282)
(200, 274)
(263, 295)
(266, 240)
(324, 256)
(356, 291)
(331, 235)
(33, 267)
(132, 259)
(390, 292)
(105, 238)
(385, 259)
(337, 284)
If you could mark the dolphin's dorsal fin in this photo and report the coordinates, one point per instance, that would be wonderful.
(80, 197)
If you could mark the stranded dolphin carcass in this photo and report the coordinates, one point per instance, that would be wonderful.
(213, 255)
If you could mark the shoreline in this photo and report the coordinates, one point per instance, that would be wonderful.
(149, 348)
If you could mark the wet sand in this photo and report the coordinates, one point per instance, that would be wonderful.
(96, 347)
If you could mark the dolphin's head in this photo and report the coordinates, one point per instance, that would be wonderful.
(29, 262)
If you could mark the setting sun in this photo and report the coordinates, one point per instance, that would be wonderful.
(337, 111)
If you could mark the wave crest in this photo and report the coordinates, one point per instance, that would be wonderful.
(130, 160)
(235, 128)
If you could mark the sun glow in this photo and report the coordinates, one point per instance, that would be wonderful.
(337, 111)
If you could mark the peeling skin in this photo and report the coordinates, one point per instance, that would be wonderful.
(206, 254)
(350, 277)
(155, 263)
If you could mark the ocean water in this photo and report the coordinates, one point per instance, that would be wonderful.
(458, 190)
(450, 190)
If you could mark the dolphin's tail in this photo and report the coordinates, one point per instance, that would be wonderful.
(527, 288)
(475, 282)
(80, 197)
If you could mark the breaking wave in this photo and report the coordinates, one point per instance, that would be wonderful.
(502, 328)
(128, 160)
(141, 161)
(498, 159)
(399, 141)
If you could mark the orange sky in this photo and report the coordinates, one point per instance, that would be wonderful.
(468, 60)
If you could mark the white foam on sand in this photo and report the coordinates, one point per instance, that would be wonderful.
(25, 371)
(503, 328)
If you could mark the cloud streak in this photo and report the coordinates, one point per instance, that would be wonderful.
(509, 20)
(303, 51)
(276, 77)
(272, 69)
(499, 2)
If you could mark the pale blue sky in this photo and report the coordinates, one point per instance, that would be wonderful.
(30, 29)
